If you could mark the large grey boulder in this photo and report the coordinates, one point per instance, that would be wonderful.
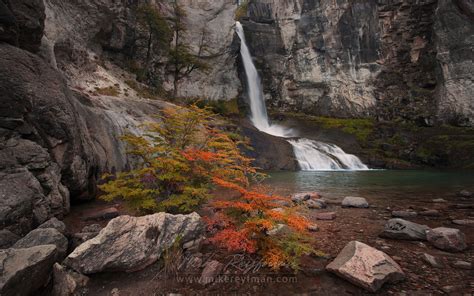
(24, 271)
(447, 239)
(365, 266)
(44, 236)
(132, 243)
(402, 229)
(354, 202)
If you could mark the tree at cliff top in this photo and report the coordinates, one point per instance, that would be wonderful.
(182, 61)
(182, 158)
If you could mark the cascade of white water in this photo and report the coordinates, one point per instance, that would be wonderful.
(311, 155)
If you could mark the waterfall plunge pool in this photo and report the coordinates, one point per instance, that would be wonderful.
(385, 186)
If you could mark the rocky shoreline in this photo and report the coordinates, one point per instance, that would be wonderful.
(368, 247)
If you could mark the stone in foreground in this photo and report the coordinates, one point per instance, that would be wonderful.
(447, 239)
(354, 202)
(365, 266)
(44, 236)
(24, 271)
(132, 243)
(402, 229)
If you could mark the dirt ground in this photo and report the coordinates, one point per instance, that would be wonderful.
(244, 275)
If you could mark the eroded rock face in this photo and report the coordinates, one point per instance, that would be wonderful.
(25, 270)
(132, 243)
(365, 266)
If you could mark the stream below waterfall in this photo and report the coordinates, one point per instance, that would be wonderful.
(311, 155)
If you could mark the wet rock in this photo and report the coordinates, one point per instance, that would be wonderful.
(210, 271)
(103, 214)
(404, 214)
(325, 216)
(44, 236)
(304, 196)
(7, 238)
(431, 260)
(465, 194)
(354, 202)
(67, 282)
(430, 213)
(365, 266)
(315, 204)
(54, 223)
(132, 243)
(447, 239)
(24, 271)
(462, 265)
(464, 222)
(401, 229)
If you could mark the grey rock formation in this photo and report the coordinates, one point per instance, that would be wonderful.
(447, 239)
(44, 236)
(67, 282)
(54, 223)
(7, 239)
(365, 266)
(132, 243)
(401, 229)
(24, 271)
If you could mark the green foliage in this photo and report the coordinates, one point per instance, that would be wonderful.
(360, 127)
(241, 11)
(178, 158)
(226, 108)
(156, 28)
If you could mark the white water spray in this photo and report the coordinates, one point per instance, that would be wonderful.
(311, 155)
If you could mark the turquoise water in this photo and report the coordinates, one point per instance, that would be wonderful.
(377, 184)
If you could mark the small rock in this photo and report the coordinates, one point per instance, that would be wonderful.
(431, 260)
(325, 216)
(465, 194)
(193, 245)
(24, 271)
(104, 214)
(278, 229)
(313, 228)
(430, 213)
(462, 265)
(54, 223)
(401, 229)
(354, 202)
(365, 266)
(67, 282)
(439, 200)
(211, 270)
(44, 236)
(464, 222)
(7, 238)
(450, 289)
(115, 292)
(404, 214)
(315, 204)
(447, 239)
(304, 196)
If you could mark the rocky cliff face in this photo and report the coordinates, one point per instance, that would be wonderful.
(389, 59)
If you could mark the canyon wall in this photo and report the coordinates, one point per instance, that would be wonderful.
(393, 60)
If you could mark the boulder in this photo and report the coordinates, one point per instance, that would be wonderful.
(132, 243)
(365, 266)
(315, 204)
(67, 282)
(44, 236)
(7, 239)
(447, 239)
(404, 214)
(210, 271)
(304, 196)
(325, 216)
(54, 223)
(24, 271)
(431, 260)
(401, 229)
(354, 202)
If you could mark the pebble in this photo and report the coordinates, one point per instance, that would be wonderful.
(431, 260)
(464, 222)
(462, 265)
(439, 200)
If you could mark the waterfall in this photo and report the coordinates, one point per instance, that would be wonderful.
(311, 155)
